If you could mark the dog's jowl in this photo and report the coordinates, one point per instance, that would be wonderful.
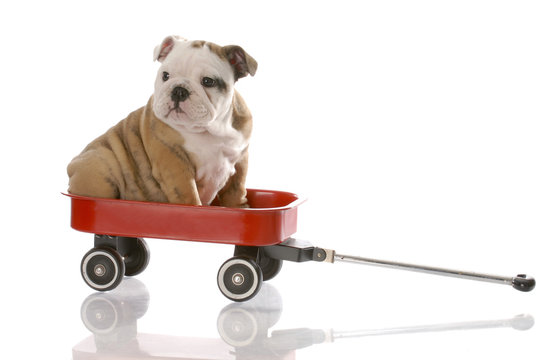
(188, 144)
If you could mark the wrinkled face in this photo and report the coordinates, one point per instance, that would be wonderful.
(194, 85)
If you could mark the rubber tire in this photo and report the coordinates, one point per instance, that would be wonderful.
(270, 267)
(138, 259)
(111, 263)
(249, 273)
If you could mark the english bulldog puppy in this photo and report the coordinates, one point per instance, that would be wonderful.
(188, 145)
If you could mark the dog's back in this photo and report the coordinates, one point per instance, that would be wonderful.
(118, 163)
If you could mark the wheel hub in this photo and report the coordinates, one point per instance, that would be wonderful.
(237, 279)
(99, 270)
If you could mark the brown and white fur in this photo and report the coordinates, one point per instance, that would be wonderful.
(188, 145)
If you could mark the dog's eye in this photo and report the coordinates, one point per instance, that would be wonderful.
(165, 76)
(208, 82)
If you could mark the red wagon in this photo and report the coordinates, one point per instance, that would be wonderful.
(261, 235)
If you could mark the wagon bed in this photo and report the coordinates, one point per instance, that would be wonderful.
(271, 218)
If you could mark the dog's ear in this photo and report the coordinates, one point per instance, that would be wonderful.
(242, 63)
(162, 50)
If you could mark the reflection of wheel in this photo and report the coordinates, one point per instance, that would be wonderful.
(239, 278)
(113, 316)
(100, 314)
(138, 258)
(238, 327)
(247, 324)
(102, 268)
(270, 267)
(134, 296)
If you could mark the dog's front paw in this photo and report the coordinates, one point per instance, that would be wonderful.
(244, 206)
(234, 204)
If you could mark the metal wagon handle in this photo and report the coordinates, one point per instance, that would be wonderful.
(299, 251)
(521, 282)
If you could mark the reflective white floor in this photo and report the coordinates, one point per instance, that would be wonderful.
(251, 330)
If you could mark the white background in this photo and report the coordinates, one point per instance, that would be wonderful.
(418, 130)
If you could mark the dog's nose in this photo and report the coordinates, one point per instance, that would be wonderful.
(179, 94)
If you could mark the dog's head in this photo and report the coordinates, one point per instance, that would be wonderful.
(195, 82)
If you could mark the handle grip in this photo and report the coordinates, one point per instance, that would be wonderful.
(523, 283)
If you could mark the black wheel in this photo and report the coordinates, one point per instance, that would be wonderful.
(102, 268)
(240, 278)
(138, 258)
(270, 267)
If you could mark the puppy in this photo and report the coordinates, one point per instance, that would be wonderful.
(188, 145)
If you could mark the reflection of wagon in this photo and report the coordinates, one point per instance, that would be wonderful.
(261, 235)
(246, 330)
